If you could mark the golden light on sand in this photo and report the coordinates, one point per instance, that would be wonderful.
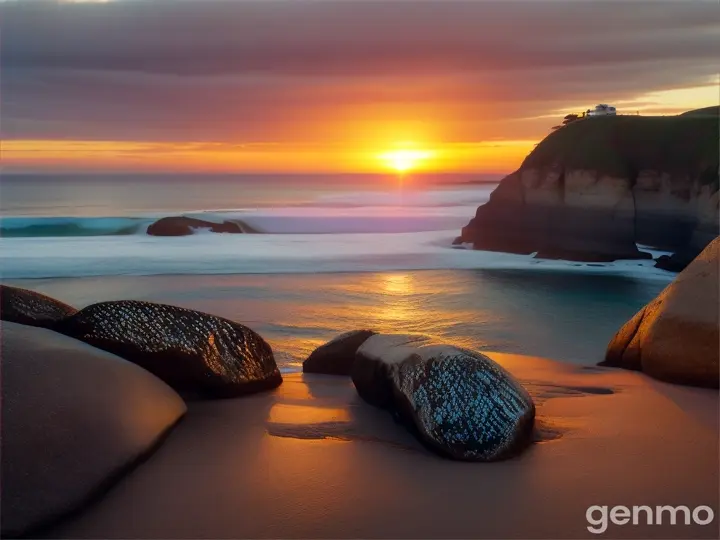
(405, 160)
(287, 413)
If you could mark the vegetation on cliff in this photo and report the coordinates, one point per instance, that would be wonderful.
(621, 146)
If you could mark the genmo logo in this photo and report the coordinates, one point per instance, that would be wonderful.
(600, 517)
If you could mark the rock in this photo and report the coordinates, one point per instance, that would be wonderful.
(675, 337)
(595, 189)
(75, 420)
(504, 223)
(374, 361)
(199, 355)
(183, 226)
(665, 211)
(31, 308)
(336, 357)
(459, 403)
(672, 263)
(624, 347)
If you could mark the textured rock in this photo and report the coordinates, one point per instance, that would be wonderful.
(74, 420)
(199, 355)
(594, 189)
(31, 308)
(336, 357)
(183, 226)
(458, 403)
(374, 362)
(676, 337)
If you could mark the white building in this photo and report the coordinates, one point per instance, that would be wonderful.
(602, 110)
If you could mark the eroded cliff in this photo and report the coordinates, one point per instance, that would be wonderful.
(595, 188)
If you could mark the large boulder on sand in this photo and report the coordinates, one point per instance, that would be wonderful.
(336, 357)
(676, 337)
(199, 355)
(31, 308)
(459, 403)
(74, 419)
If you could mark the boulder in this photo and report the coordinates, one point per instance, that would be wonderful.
(336, 357)
(675, 337)
(375, 361)
(183, 226)
(75, 420)
(199, 355)
(31, 308)
(459, 403)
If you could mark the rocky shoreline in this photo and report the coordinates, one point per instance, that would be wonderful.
(90, 394)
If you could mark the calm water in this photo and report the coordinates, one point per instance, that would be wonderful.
(566, 316)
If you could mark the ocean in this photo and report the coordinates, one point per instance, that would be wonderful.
(334, 253)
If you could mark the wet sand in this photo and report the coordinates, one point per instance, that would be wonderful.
(311, 460)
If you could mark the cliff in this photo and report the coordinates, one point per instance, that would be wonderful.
(595, 188)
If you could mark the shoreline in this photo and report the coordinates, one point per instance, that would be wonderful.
(311, 460)
(521, 312)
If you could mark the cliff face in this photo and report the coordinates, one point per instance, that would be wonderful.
(593, 189)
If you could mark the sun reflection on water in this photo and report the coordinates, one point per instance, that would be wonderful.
(391, 302)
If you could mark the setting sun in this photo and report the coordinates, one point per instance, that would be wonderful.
(404, 160)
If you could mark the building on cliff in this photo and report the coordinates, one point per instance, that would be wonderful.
(602, 109)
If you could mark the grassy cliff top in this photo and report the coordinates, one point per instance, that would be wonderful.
(623, 145)
(706, 111)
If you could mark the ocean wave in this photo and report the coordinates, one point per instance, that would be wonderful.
(290, 220)
(272, 254)
(26, 227)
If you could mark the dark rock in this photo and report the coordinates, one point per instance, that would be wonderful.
(199, 355)
(336, 357)
(594, 189)
(459, 403)
(372, 369)
(75, 419)
(672, 263)
(183, 226)
(504, 223)
(31, 308)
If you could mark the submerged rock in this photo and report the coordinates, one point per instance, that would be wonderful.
(75, 420)
(459, 403)
(336, 357)
(675, 337)
(199, 355)
(31, 308)
(183, 226)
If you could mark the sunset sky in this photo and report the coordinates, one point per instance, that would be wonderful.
(326, 86)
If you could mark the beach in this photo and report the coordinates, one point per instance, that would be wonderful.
(311, 460)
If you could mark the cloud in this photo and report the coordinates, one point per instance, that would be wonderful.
(278, 71)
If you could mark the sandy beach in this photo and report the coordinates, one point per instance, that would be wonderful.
(311, 460)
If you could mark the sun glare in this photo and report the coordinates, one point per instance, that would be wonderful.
(404, 160)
